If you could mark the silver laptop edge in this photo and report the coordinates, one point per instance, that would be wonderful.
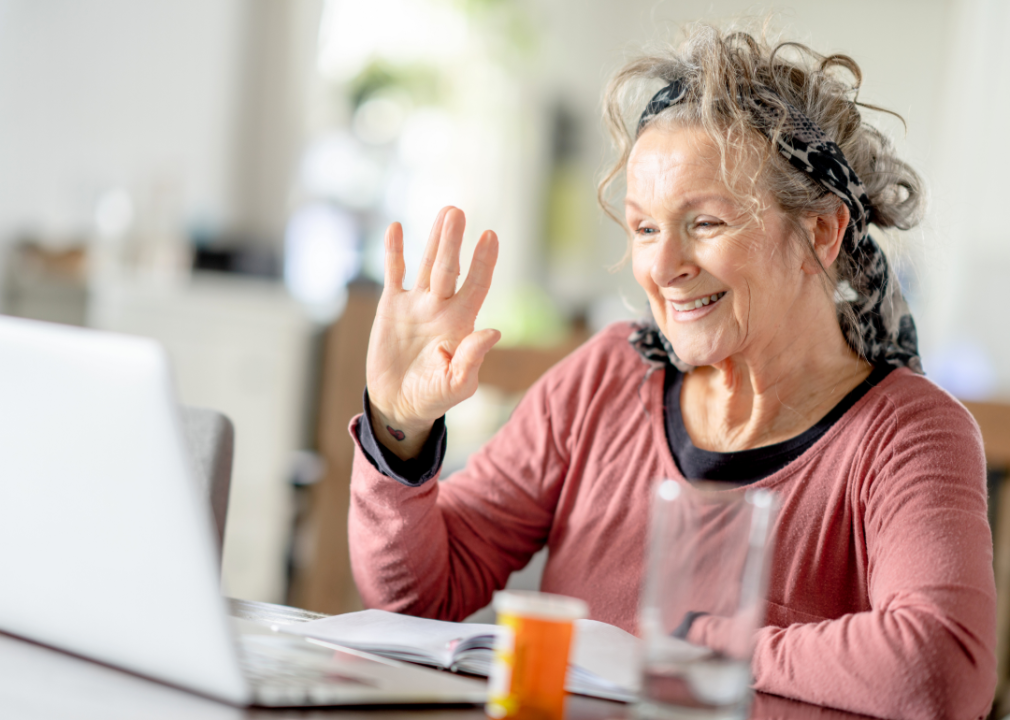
(107, 547)
(108, 550)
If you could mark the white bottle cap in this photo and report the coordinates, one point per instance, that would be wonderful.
(542, 606)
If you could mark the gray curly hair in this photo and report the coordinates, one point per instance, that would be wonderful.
(717, 69)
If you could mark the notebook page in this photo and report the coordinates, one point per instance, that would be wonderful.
(386, 633)
(608, 653)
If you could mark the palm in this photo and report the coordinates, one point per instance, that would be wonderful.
(423, 353)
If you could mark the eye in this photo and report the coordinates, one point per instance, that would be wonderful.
(705, 223)
(646, 232)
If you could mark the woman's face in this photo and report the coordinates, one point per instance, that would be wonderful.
(719, 283)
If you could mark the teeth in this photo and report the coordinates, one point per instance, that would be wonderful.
(700, 302)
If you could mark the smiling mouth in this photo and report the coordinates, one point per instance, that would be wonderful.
(700, 302)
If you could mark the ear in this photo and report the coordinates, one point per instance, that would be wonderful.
(826, 233)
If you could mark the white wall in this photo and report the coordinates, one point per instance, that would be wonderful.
(966, 268)
(202, 102)
(109, 93)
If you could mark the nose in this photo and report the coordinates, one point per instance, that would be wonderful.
(673, 263)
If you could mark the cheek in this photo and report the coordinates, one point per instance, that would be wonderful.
(641, 267)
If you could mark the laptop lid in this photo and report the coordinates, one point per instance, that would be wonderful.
(106, 545)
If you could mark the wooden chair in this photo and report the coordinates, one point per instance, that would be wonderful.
(514, 369)
(994, 421)
(322, 582)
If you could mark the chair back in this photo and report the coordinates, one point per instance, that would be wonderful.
(993, 419)
(210, 437)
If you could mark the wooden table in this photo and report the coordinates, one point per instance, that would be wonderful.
(38, 683)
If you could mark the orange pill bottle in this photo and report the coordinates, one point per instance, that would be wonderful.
(527, 680)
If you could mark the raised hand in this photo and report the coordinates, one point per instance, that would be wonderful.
(423, 353)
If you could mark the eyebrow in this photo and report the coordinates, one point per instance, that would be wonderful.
(690, 202)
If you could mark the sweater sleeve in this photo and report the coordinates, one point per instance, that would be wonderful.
(925, 649)
(441, 549)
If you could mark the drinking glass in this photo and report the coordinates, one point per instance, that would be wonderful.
(703, 598)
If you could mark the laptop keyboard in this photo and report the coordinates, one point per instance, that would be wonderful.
(283, 672)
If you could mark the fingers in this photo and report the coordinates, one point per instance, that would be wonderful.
(478, 279)
(431, 250)
(445, 270)
(394, 258)
(467, 359)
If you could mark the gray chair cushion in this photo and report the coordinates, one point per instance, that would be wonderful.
(210, 437)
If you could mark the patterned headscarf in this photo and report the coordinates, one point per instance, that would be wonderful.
(884, 331)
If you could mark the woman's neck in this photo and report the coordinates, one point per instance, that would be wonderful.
(770, 394)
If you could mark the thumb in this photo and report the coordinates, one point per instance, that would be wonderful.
(470, 354)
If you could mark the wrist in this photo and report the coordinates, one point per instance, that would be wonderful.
(404, 438)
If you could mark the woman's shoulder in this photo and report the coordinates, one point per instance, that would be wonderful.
(606, 351)
(599, 379)
(603, 368)
(909, 417)
(914, 398)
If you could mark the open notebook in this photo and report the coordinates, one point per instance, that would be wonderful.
(604, 660)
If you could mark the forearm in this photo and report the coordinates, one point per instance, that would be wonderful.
(441, 549)
(412, 554)
(905, 662)
(922, 644)
(388, 535)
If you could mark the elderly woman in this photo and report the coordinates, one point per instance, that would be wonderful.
(780, 354)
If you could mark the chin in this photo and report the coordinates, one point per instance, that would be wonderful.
(696, 346)
(697, 361)
(697, 356)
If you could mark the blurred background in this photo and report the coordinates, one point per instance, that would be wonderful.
(218, 175)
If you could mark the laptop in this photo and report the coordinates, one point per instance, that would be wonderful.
(107, 544)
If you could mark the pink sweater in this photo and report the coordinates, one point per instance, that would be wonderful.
(881, 597)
